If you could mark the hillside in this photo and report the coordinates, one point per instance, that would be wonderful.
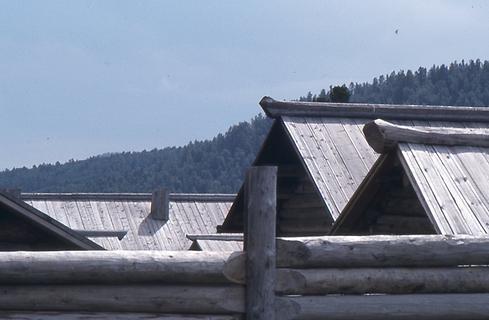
(218, 165)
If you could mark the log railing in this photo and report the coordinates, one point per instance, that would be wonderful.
(334, 277)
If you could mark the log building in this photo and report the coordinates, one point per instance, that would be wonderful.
(158, 221)
(323, 157)
(428, 180)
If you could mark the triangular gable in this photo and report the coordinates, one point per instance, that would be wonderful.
(30, 229)
(301, 209)
(450, 184)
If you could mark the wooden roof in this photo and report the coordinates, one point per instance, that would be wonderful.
(328, 140)
(189, 214)
(44, 222)
(450, 180)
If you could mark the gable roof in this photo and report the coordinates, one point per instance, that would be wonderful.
(51, 226)
(131, 213)
(327, 139)
(450, 178)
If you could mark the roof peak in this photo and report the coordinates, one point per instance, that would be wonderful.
(277, 109)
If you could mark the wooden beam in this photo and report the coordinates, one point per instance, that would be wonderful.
(160, 204)
(382, 251)
(382, 280)
(386, 307)
(370, 280)
(112, 267)
(190, 299)
(120, 234)
(260, 212)
(59, 315)
(276, 109)
(383, 136)
(204, 197)
(216, 237)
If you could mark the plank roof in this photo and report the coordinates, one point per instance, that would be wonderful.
(328, 140)
(189, 214)
(451, 182)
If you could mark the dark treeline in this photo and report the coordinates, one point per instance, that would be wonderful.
(460, 83)
(215, 165)
(218, 165)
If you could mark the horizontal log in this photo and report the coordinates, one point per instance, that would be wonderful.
(276, 109)
(386, 307)
(382, 136)
(383, 280)
(304, 201)
(124, 298)
(112, 267)
(52, 315)
(382, 251)
(370, 280)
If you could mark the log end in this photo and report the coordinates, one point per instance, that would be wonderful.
(375, 136)
(235, 268)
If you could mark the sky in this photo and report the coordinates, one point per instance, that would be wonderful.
(81, 78)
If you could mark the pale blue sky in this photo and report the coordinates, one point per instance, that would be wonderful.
(80, 78)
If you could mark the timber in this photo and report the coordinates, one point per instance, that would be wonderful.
(382, 280)
(383, 136)
(120, 234)
(160, 204)
(189, 299)
(276, 109)
(261, 214)
(207, 197)
(393, 280)
(216, 237)
(52, 315)
(387, 307)
(382, 251)
(112, 267)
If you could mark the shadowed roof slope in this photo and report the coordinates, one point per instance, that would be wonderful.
(43, 224)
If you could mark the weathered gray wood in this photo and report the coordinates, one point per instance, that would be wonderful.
(260, 213)
(47, 315)
(369, 280)
(383, 136)
(275, 109)
(216, 237)
(387, 307)
(188, 299)
(382, 280)
(160, 205)
(382, 251)
(102, 233)
(112, 267)
(217, 197)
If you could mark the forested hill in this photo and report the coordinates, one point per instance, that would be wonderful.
(218, 165)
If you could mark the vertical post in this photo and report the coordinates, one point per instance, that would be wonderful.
(260, 230)
(160, 205)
